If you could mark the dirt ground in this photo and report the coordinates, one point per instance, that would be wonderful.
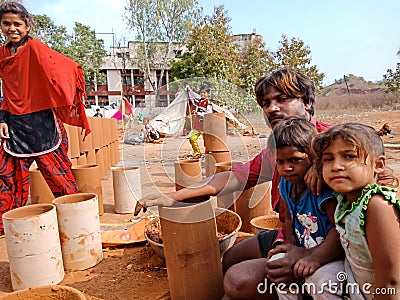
(134, 271)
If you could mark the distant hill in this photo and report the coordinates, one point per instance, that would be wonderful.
(355, 85)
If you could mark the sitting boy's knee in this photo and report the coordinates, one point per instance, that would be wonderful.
(233, 284)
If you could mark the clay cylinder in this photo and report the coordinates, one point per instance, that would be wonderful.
(215, 157)
(106, 163)
(33, 246)
(100, 162)
(74, 161)
(79, 226)
(109, 134)
(38, 188)
(187, 172)
(215, 132)
(254, 202)
(81, 160)
(91, 157)
(105, 131)
(116, 152)
(85, 143)
(127, 188)
(114, 129)
(227, 200)
(113, 156)
(192, 252)
(73, 140)
(96, 133)
(107, 157)
(87, 178)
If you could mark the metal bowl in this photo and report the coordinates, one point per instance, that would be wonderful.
(228, 226)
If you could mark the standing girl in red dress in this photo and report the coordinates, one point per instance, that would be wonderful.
(42, 89)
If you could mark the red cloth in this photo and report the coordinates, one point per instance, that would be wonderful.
(262, 168)
(38, 78)
(201, 108)
(128, 110)
(204, 103)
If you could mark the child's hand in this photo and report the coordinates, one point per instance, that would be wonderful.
(281, 270)
(4, 131)
(306, 266)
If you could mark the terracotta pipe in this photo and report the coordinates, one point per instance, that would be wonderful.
(88, 179)
(38, 188)
(253, 202)
(91, 157)
(215, 132)
(99, 153)
(79, 226)
(187, 172)
(228, 200)
(73, 140)
(127, 188)
(85, 143)
(192, 252)
(212, 158)
(33, 246)
(96, 133)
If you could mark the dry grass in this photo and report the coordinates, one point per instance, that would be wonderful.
(355, 104)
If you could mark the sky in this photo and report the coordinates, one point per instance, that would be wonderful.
(359, 37)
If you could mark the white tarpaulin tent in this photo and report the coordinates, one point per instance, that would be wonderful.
(172, 120)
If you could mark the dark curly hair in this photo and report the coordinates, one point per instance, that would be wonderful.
(293, 132)
(289, 82)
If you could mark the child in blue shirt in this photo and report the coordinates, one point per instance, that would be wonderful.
(308, 217)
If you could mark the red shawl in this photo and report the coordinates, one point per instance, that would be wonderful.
(38, 78)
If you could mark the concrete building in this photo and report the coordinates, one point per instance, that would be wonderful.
(123, 77)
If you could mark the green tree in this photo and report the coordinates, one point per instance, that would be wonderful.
(392, 78)
(212, 57)
(52, 35)
(176, 18)
(140, 17)
(211, 52)
(159, 25)
(254, 61)
(295, 54)
(88, 51)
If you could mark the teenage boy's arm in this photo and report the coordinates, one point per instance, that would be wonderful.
(288, 223)
(327, 251)
(224, 182)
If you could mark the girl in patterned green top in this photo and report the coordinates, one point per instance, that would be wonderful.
(352, 161)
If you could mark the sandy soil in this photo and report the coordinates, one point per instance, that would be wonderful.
(135, 271)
